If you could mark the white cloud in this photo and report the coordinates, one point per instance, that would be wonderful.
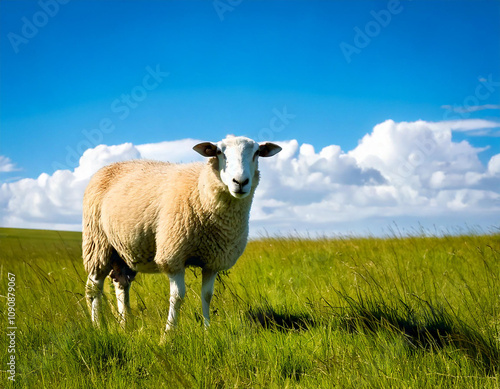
(55, 201)
(411, 153)
(465, 125)
(470, 108)
(6, 165)
(102, 155)
(174, 151)
(409, 172)
(494, 165)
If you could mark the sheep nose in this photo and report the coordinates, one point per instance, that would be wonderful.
(241, 184)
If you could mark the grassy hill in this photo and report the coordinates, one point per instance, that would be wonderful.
(416, 312)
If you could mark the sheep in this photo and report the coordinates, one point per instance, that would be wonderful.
(151, 217)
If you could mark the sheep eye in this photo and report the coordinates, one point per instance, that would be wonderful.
(219, 152)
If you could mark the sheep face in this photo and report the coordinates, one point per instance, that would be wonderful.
(238, 161)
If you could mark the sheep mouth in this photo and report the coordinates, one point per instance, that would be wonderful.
(239, 194)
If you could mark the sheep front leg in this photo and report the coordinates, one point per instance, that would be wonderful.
(207, 291)
(177, 293)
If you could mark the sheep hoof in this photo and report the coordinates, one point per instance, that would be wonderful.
(169, 328)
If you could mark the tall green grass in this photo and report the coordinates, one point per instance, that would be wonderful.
(398, 312)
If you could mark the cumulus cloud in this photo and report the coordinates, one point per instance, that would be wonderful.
(175, 151)
(93, 159)
(400, 171)
(409, 153)
(55, 201)
(409, 172)
(494, 165)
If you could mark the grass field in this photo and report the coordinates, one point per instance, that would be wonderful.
(414, 312)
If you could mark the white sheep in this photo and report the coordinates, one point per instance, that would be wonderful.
(146, 216)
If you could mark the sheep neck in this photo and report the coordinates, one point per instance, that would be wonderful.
(219, 204)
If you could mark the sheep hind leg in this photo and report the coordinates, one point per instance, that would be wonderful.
(123, 303)
(96, 254)
(122, 277)
(93, 293)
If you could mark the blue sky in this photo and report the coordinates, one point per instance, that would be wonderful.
(227, 75)
(229, 71)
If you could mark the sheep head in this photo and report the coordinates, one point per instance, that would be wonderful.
(238, 161)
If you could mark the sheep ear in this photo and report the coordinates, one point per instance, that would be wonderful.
(268, 149)
(206, 149)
